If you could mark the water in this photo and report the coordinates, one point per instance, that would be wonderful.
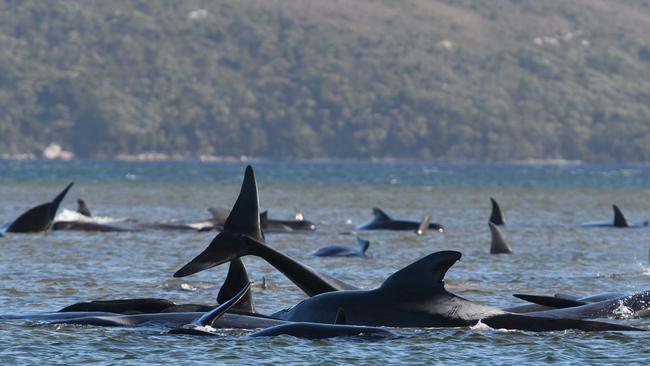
(542, 206)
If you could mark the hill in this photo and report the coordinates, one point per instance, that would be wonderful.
(293, 79)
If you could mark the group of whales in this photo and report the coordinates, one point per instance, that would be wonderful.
(414, 296)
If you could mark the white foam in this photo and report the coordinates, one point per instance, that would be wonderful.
(69, 215)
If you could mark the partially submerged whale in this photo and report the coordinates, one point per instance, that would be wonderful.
(381, 221)
(496, 217)
(619, 221)
(499, 245)
(38, 218)
(270, 225)
(203, 324)
(341, 251)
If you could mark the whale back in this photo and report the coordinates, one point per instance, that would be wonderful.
(619, 219)
(499, 244)
(38, 218)
(496, 217)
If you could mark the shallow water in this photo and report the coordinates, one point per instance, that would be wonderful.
(543, 207)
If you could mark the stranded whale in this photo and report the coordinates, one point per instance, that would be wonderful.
(341, 251)
(381, 221)
(619, 221)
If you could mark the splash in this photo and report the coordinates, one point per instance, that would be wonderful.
(70, 215)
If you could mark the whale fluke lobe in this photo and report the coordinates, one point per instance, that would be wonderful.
(551, 301)
(82, 208)
(499, 244)
(244, 217)
(496, 217)
(236, 279)
(424, 225)
(619, 219)
(38, 218)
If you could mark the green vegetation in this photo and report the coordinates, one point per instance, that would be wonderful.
(287, 79)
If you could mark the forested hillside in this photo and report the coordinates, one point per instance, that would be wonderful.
(447, 80)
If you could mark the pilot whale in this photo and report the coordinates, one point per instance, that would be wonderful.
(415, 297)
(270, 225)
(202, 325)
(619, 221)
(341, 251)
(381, 221)
(38, 218)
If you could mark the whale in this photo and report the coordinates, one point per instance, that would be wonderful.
(203, 324)
(242, 235)
(39, 218)
(381, 221)
(619, 221)
(88, 226)
(496, 216)
(499, 245)
(82, 208)
(341, 251)
(415, 297)
(623, 306)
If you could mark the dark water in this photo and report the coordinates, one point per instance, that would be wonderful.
(543, 206)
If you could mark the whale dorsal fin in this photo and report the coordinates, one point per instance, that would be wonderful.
(499, 244)
(244, 217)
(380, 215)
(426, 274)
(38, 218)
(496, 217)
(619, 219)
(214, 314)
(236, 279)
(424, 225)
(340, 316)
(82, 208)
(298, 214)
(363, 245)
(550, 301)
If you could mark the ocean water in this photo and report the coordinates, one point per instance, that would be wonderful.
(543, 207)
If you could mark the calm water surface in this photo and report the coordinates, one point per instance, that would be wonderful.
(543, 206)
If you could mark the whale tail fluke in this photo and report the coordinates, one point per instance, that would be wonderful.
(496, 217)
(619, 219)
(424, 225)
(38, 218)
(244, 220)
(363, 245)
(499, 244)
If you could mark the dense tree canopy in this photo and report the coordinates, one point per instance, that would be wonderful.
(290, 79)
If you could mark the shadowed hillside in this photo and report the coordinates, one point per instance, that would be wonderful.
(288, 79)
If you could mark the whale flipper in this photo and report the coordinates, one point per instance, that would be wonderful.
(499, 244)
(550, 301)
(363, 245)
(236, 279)
(496, 217)
(424, 225)
(38, 218)
(82, 208)
(619, 219)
